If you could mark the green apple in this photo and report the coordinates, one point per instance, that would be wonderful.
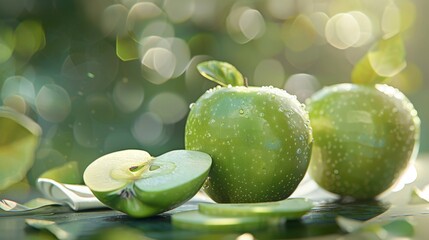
(134, 182)
(258, 137)
(292, 208)
(364, 138)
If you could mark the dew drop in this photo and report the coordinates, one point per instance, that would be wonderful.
(191, 105)
(241, 111)
(298, 151)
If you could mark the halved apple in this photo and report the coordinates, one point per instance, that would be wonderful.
(134, 182)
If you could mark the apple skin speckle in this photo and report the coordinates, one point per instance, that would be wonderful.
(364, 138)
(259, 139)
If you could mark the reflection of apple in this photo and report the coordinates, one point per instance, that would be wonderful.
(364, 138)
(19, 138)
(140, 185)
(259, 138)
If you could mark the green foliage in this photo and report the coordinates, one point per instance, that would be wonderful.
(19, 139)
(222, 73)
(384, 60)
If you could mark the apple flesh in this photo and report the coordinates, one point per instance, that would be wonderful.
(292, 208)
(241, 216)
(259, 139)
(365, 137)
(134, 182)
(194, 220)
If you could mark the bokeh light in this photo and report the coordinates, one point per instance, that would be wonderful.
(148, 129)
(128, 95)
(245, 24)
(100, 76)
(53, 103)
(342, 30)
(269, 72)
(302, 85)
(170, 107)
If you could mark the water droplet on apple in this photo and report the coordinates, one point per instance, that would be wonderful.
(241, 111)
(261, 114)
(229, 86)
(298, 151)
(191, 105)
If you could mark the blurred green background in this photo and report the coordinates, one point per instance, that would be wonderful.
(103, 75)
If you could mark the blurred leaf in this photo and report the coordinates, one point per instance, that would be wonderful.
(400, 228)
(393, 227)
(30, 37)
(385, 59)
(419, 197)
(222, 73)
(126, 48)
(51, 227)
(121, 233)
(18, 141)
(348, 224)
(67, 173)
(35, 206)
(363, 73)
(7, 42)
(12, 206)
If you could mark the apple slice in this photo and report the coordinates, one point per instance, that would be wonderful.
(134, 182)
(194, 220)
(293, 208)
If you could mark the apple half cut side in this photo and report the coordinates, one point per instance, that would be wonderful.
(134, 182)
(195, 220)
(293, 208)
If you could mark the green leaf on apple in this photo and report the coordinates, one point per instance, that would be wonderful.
(384, 60)
(222, 73)
(293, 208)
(134, 182)
(19, 139)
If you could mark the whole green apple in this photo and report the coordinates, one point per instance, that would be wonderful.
(364, 138)
(258, 137)
(134, 182)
